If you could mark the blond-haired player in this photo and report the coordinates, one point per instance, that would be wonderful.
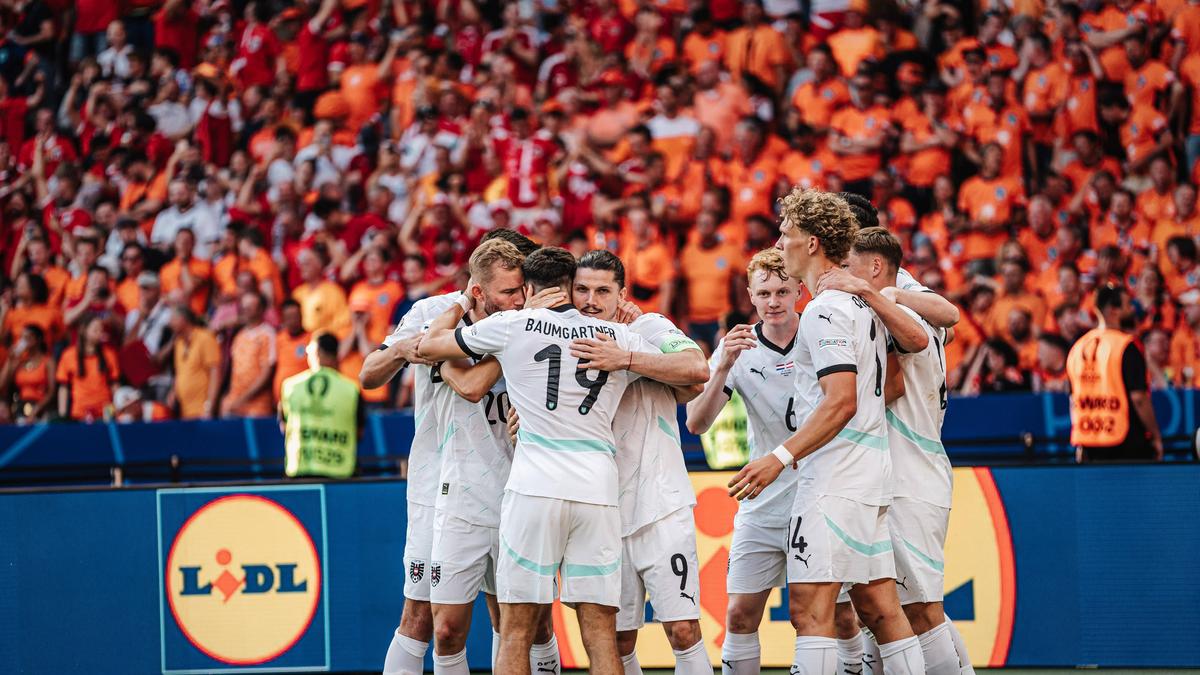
(759, 362)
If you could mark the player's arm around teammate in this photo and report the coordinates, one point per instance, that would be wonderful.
(907, 334)
(681, 369)
(381, 365)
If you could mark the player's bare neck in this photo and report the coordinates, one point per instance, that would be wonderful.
(815, 267)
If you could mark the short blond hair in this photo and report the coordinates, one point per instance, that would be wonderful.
(490, 253)
(825, 216)
(880, 242)
(765, 263)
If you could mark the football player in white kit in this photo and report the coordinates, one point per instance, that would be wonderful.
(839, 516)
(560, 504)
(758, 362)
(410, 642)
(470, 408)
(656, 496)
(922, 478)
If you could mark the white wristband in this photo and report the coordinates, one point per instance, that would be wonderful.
(783, 455)
(464, 301)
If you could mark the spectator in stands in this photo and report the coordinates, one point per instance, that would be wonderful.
(147, 330)
(252, 359)
(87, 372)
(130, 405)
(707, 264)
(197, 366)
(1051, 372)
(290, 344)
(1158, 359)
(322, 302)
(30, 306)
(27, 378)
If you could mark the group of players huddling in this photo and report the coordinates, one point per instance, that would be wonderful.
(546, 460)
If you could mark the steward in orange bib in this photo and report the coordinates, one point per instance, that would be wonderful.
(1111, 415)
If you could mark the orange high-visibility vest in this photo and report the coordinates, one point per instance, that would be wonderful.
(1099, 402)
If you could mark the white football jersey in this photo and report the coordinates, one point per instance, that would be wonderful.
(766, 379)
(920, 467)
(565, 447)
(424, 458)
(653, 478)
(476, 453)
(907, 282)
(840, 333)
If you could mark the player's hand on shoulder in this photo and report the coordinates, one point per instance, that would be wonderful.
(627, 312)
(514, 424)
(838, 279)
(755, 477)
(891, 293)
(737, 340)
(600, 353)
(546, 298)
(407, 349)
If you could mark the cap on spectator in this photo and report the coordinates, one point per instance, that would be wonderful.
(148, 279)
(500, 205)
(910, 73)
(339, 56)
(548, 216)
(440, 199)
(331, 105)
(125, 397)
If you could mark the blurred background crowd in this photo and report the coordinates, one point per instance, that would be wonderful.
(189, 190)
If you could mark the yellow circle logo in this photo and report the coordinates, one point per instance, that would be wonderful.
(243, 579)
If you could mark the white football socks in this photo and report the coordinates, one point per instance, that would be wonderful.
(815, 656)
(630, 663)
(938, 649)
(741, 654)
(495, 648)
(693, 660)
(902, 657)
(451, 664)
(543, 658)
(405, 656)
(850, 655)
(960, 647)
(871, 660)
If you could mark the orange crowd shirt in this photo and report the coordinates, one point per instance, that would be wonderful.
(817, 101)
(757, 51)
(988, 201)
(90, 389)
(195, 357)
(646, 269)
(252, 352)
(851, 46)
(708, 272)
(1006, 128)
(201, 271)
(1139, 134)
(291, 358)
(860, 125)
(752, 187)
(698, 48)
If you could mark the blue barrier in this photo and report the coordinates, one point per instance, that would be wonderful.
(986, 429)
(1094, 567)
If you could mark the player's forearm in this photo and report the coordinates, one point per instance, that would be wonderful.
(471, 382)
(935, 309)
(440, 343)
(907, 333)
(703, 410)
(683, 368)
(380, 366)
(824, 424)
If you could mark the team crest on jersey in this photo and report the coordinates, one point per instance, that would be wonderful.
(435, 574)
(416, 570)
(1001, 193)
(785, 369)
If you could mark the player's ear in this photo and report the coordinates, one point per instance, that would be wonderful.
(623, 294)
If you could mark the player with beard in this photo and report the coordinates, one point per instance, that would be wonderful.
(839, 516)
(406, 651)
(560, 510)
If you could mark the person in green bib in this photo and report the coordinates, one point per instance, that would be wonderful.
(321, 415)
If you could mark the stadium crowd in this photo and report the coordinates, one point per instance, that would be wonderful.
(189, 190)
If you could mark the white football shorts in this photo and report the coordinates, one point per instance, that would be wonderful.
(757, 558)
(542, 536)
(463, 560)
(837, 539)
(918, 532)
(418, 545)
(660, 559)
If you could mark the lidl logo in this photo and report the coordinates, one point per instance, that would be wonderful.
(243, 579)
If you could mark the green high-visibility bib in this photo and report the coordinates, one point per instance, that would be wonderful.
(725, 443)
(320, 409)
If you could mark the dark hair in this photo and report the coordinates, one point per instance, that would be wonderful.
(38, 287)
(601, 259)
(290, 302)
(881, 242)
(524, 244)
(1185, 247)
(864, 211)
(420, 259)
(327, 344)
(1055, 340)
(1004, 350)
(549, 267)
(80, 361)
(1109, 296)
(39, 335)
(641, 130)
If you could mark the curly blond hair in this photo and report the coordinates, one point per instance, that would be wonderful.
(765, 263)
(484, 258)
(825, 216)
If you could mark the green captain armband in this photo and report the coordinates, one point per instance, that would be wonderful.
(678, 343)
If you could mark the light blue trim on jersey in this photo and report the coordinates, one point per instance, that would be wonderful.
(566, 444)
(927, 444)
(866, 549)
(863, 438)
(536, 568)
(666, 429)
(574, 570)
(450, 431)
(939, 566)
